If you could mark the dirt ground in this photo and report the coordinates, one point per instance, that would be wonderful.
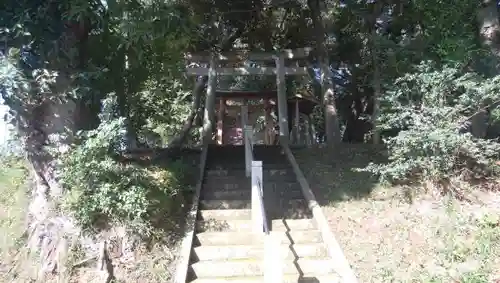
(388, 237)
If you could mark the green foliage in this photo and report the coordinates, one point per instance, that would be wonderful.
(120, 47)
(134, 49)
(429, 106)
(164, 107)
(103, 190)
(443, 37)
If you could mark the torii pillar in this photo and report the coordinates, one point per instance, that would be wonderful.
(282, 101)
(220, 120)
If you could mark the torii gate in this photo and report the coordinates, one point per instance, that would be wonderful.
(237, 57)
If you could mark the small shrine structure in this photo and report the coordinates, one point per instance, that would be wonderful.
(229, 111)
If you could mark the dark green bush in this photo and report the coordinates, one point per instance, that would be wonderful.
(103, 190)
(429, 106)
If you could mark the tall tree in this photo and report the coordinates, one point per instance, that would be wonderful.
(332, 126)
(489, 26)
(376, 80)
(489, 32)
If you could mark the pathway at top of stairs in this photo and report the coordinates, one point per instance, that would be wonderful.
(226, 250)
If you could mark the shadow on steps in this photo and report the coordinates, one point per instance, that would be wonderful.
(308, 280)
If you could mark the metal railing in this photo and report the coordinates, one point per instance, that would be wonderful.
(272, 243)
(254, 171)
(248, 143)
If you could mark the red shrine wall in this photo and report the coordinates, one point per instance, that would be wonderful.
(232, 128)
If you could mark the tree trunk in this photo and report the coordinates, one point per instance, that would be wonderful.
(197, 93)
(188, 124)
(209, 114)
(48, 132)
(332, 127)
(489, 26)
(377, 88)
(489, 30)
(479, 124)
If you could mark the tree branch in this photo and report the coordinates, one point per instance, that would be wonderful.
(197, 93)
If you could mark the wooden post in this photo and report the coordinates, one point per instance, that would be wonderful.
(209, 113)
(244, 120)
(282, 102)
(257, 219)
(244, 115)
(268, 121)
(312, 129)
(307, 130)
(297, 122)
(247, 143)
(220, 121)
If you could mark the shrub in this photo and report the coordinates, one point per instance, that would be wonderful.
(103, 190)
(428, 107)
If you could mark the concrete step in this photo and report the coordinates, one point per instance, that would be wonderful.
(251, 267)
(327, 278)
(275, 208)
(240, 194)
(246, 194)
(245, 204)
(266, 173)
(236, 238)
(260, 151)
(240, 165)
(246, 225)
(230, 183)
(224, 225)
(257, 150)
(239, 156)
(227, 184)
(288, 212)
(292, 224)
(238, 162)
(225, 214)
(233, 172)
(225, 204)
(281, 187)
(232, 252)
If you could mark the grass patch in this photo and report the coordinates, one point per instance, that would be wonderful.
(388, 236)
(14, 202)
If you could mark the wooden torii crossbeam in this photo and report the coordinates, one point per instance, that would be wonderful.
(241, 56)
(280, 71)
(246, 71)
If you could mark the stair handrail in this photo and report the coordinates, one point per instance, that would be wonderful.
(265, 225)
(248, 143)
(272, 259)
(254, 171)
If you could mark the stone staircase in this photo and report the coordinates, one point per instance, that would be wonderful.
(224, 247)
